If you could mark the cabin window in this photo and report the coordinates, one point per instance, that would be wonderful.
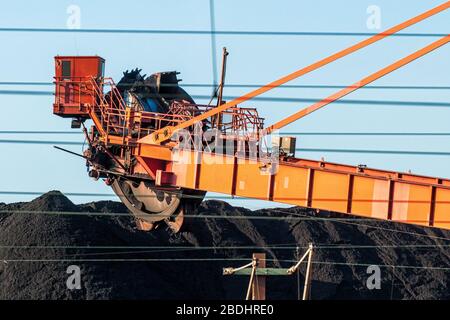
(66, 66)
(101, 69)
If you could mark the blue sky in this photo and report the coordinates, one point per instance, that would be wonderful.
(28, 56)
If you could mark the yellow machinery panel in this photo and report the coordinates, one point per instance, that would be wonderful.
(184, 166)
(291, 185)
(411, 203)
(370, 197)
(216, 173)
(378, 195)
(442, 209)
(251, 179)
(330, 191)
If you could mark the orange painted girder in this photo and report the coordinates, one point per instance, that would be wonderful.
(363, 192)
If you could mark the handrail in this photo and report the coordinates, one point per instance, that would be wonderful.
(113, 117)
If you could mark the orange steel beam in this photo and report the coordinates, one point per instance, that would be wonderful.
(372, 193)
(367, 80)
(385, 195)
(166, 132)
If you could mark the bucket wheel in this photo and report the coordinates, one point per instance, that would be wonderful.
(152, 206)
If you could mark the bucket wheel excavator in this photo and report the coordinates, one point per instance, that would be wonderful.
(149, 204)
(161, 152)
(156, 95)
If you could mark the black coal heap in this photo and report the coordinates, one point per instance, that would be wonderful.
(24, 274)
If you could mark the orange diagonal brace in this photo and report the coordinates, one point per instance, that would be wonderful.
(166, 132)
(342, 93)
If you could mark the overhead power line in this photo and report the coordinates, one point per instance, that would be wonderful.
(305, 133)
(327, 219)
(291, 216)
(236, 85)
(287, 216)
(93, 194)
(392, 152)
(42, 132)
(168, 250)
(292, 198)
(217, 32)
(316, 150)
(76, 143)
(366, 133)
(353, 221)
(380, 265)
(292, 246)
(26, 92)
(7, 260)
(342, 101)
(277, 99)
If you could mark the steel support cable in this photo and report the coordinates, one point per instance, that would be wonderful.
(437, 104)
(367, 80)
(166, 132)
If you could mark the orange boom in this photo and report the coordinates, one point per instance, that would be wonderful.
(161, 152)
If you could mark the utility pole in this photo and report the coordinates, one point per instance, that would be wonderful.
(259, 285)
(258, 272)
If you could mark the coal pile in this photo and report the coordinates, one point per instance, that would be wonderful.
(36, 248)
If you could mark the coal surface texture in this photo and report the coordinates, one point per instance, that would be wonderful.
(36, 248)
